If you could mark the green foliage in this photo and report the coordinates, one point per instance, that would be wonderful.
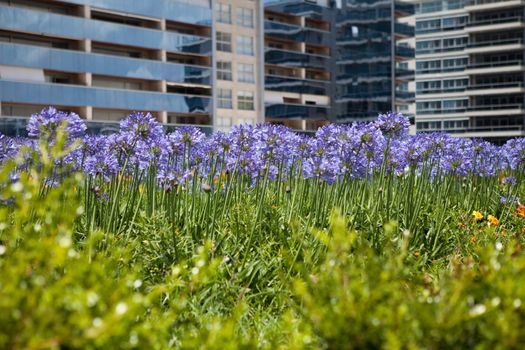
(400, 263)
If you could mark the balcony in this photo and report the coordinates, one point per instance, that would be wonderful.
(304, 9)
(405, 74)
(496, 85)
(81, 62)
(295, 59)
(404, 30)
(172, 10)
(404, 52)
(289, 84)
(488, 22)
(432, 50)
(25, 20)
(495, 107)
(490, 4)
(405, 96)
(495, 45)
(296, 33)
(75, 95)
(16, 126)
(480, 65)
(296, 111)
(404, 9)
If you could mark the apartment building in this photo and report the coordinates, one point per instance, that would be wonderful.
(373, 54)
(337, 61)
(239, 56)
(299, 63)
(106, 58)
(470, 68)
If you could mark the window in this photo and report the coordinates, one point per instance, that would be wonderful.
(244, 17)
(224, 97)
(245, 73)
(224, 122)
(224, 42)
(224, 13)
(245, 100)
(224, 70)
(245, 45)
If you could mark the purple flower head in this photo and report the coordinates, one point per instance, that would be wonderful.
(8, 148)
(393, 123)
(141, 127)
(509, 180)
(45, 124)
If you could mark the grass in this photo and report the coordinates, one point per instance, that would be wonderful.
(385, 261)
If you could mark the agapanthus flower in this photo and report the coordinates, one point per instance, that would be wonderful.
(509, 180)
(46, 123)
(394, 124)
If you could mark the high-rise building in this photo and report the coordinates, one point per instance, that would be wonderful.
(238, 28)
(299, 63)
(337, 61)
(302, 63)
(470, 67)
(373, 50)
(105, 58)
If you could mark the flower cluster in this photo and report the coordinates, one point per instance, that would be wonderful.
(336, 152)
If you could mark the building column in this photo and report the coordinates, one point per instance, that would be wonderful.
(163, 117)
(86, 112)
(86, 78)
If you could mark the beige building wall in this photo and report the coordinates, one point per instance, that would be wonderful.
(240, 29)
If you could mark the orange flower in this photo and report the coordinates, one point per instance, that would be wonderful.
(417, 253)
(493, 221)
(521, 211)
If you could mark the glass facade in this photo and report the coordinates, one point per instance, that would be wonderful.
(368, 58)
(105, 58)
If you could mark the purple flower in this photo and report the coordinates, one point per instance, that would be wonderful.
(509, 180)
(393, 124)
(46, 123)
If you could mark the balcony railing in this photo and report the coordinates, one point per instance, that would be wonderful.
(405, 95)
(475, 129)
(483, 2)
(474, 108)
(440, 70)
(294, 58)
(16, 126)
(291, 84)
(486, 22)
(478, 65)
(402, 73)
(495, 107)
(422, 51)
(497, 85)
(495, 42)
(405, 51)
(296, 111)
(404, 29)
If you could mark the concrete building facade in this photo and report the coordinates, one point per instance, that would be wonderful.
(238, 60)
(470, 68)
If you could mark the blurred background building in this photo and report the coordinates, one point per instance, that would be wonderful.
(106, 58)
(208, 63)
(470, 68)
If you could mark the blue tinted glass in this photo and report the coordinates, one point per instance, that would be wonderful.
(75, 61)
(70, 95)
(168, 9)
(79, 28)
